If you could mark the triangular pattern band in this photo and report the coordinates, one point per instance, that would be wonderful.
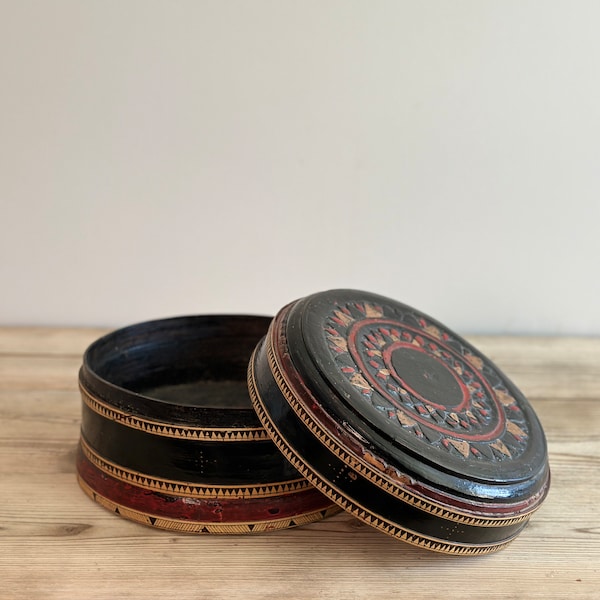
(362, 467)
(182, 488)
(200, 528)
(207, 434)
(345, 502)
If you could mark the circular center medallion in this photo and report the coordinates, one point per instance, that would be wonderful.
(419, 386)
(425, 377)
(428, 383)
(400, 421)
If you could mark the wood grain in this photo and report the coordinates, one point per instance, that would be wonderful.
(56, 543)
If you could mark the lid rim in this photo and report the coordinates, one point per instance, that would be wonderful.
(336, 450)
(404, 484)
(456, 475)
(498, 533)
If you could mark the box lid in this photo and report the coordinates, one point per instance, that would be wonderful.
(400, 421)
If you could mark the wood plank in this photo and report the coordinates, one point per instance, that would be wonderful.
(277, 563)
(56, 543)
(547, 367)
(38, 372)
(47, 340)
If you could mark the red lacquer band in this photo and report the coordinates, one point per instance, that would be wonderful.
(204, 514)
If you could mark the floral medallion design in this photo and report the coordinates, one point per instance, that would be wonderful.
(426, 381)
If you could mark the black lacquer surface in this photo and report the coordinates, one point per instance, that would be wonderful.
(400, 421)
(412, 414)
(178, 370)
(188, 372)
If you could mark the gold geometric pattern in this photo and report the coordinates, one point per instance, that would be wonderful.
(199, 527)
(192, 490)
(355, 509)
(364, 350)
(207, 434)
(366, 470)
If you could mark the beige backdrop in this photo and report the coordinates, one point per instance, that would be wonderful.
(161, 158)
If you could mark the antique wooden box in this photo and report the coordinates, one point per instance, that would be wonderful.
(400, 421)
(169, 437)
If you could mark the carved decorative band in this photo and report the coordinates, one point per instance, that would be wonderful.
(207, 434)
(353, 508)
(182, 488)
(367, 471)
(198, 527)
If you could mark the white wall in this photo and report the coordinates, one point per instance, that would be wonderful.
(168, 157)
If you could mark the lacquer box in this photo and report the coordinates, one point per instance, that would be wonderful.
(358, 402)
(169, 437)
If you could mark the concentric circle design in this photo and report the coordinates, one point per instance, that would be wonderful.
(400, 422)
(425, 382)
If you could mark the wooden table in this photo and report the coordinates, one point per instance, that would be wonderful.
(56, 543)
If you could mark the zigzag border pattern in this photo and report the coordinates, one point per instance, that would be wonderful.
(351, 507)
(207, 434)
(196, 527)
(182, 488)
(358, 511)
(366, 470)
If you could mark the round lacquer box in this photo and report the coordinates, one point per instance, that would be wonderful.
(169, 437)
(400, 421)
